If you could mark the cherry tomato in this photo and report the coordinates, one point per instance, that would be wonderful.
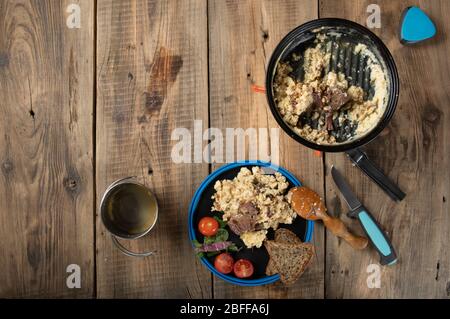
(208, 226)
(243, 268)
(224, 263)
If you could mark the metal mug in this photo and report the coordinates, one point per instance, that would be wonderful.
(129, 210)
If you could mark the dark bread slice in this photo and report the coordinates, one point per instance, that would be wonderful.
(282, 235)
(290, 260)
(270, 268)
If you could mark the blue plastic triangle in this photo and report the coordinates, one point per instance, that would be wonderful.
(416, 26)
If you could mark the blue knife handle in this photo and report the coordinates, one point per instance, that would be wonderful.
(376, 235)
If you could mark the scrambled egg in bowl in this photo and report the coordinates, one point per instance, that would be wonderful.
(252, 203)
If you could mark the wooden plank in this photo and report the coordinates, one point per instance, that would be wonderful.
(413, 151)
(46, 181)
(152, 78)
(242, 35)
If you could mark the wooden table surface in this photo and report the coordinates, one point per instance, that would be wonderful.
(80, 108)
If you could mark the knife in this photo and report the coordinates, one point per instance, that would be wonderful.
(372, 229)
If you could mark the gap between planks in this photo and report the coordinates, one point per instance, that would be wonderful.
(94, 151)
(209, 108)
(324, 180)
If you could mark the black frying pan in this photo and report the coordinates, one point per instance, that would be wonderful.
(344, 36)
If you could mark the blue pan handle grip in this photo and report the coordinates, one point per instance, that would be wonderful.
(376, 235)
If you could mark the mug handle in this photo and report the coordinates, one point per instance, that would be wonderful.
(129, 252)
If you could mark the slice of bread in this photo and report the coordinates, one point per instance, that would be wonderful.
(285, 236)
(289, 259)
(270, 268)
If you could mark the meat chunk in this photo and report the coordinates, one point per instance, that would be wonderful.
(317, 98)
(248, 209)
(329, 121)
(245, 220)
(337, 98)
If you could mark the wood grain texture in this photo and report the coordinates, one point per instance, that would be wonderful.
(413, 151)
(46, 181)
(152, 78)
(242, 36)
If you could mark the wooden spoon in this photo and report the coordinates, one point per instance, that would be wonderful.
(308, 204)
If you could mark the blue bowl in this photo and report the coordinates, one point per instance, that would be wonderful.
(207, 184)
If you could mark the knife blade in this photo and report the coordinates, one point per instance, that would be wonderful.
(377, 236)
(351, 199)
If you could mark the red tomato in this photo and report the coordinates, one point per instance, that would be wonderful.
(224, 263)
(243, 268)
(208, 226)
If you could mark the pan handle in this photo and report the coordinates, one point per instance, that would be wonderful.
(360, 159)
